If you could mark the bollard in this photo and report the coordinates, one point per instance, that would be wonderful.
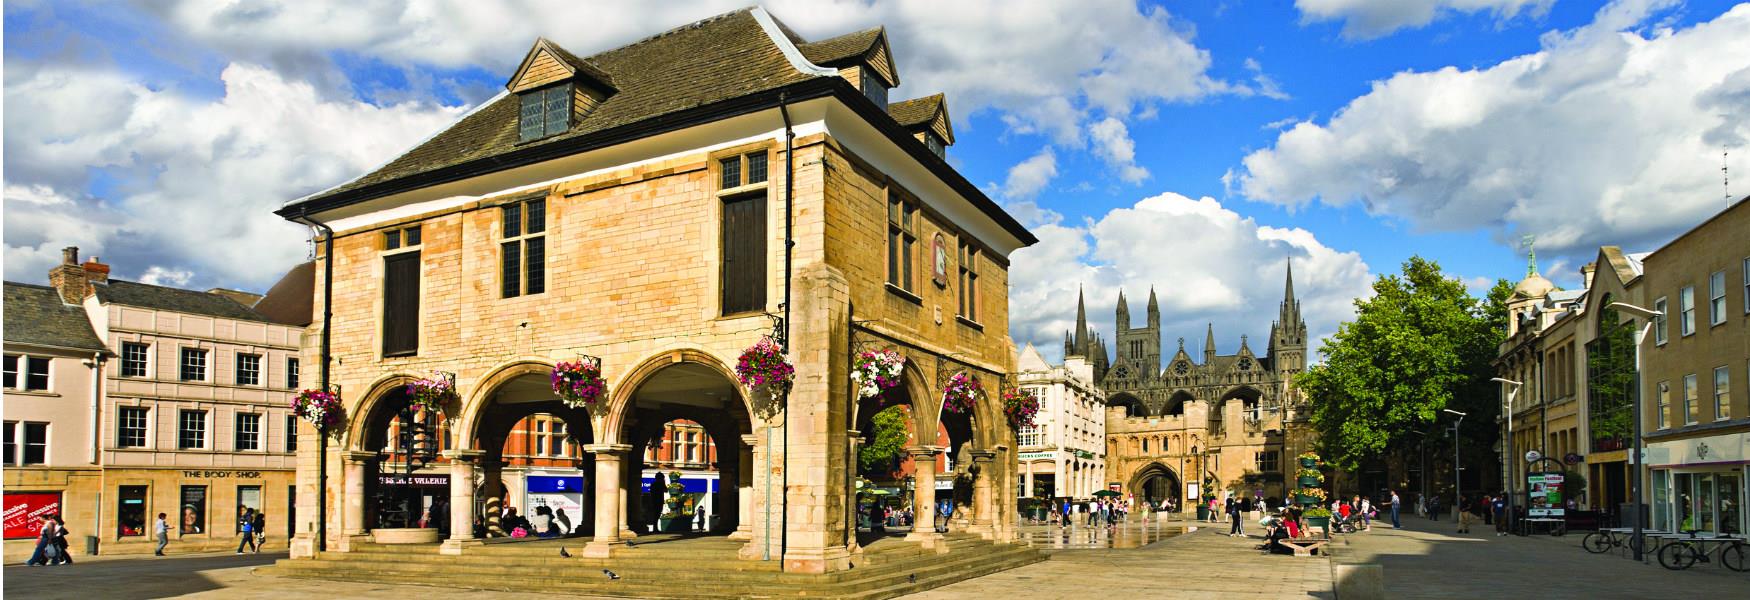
(1360, 582)
(91, 545)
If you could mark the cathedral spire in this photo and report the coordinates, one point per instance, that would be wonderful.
(1082, 339)
(1288, 290)
(1154, 310)
(1209, 345)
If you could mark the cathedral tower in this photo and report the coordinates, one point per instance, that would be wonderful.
(1288, 333)
(1140, 347)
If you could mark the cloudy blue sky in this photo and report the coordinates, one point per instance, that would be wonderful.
(1191, 146)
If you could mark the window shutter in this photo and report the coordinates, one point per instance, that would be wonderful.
(401, 304)
(744, 254)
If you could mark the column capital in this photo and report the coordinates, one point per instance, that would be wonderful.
(924, 451)
(609, 449)
(983, 456)
(464, 455)
(355, 456)
(749, 439)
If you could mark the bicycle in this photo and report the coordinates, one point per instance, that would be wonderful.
(1684, 553)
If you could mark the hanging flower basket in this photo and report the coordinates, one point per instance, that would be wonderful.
(961, 393)
(579, 384)
(877, 371)
(762, 368)
(319, 408)
(1020, 407)
(431, 393)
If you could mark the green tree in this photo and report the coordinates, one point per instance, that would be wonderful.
(1421, 344)
(888, 440)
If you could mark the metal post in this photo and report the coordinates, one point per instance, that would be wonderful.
(1635, 455)
(1457, 484)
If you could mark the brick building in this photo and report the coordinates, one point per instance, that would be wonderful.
(660, 207)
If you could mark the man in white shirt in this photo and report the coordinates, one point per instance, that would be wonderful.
(163, 531)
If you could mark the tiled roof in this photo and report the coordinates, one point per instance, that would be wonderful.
(292, 301)
(36, 315)
(720, 58)
(916, 111)
(129, 293)
(850, 45)
(582, 65)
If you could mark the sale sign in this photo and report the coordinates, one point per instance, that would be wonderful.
(25, 510)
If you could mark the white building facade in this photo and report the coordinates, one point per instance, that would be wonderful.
(1063, 453)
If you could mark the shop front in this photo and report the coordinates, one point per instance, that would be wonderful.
(561, 493)
(412, 501)
(201, 505)
(1698, 484)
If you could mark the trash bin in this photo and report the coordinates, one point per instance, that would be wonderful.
(91, 545)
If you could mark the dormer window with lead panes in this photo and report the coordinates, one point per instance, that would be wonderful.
(934, 143)
(545, 112)
(874, 88)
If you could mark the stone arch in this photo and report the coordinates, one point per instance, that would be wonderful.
(359, 419)
(1176, 402)
(1133, 406)
(620, 393)
(479, 396)
(1141, 479)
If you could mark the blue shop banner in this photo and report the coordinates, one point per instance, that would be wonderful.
(688, 484)
(547, 484)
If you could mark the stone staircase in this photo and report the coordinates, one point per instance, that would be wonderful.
(696, 568)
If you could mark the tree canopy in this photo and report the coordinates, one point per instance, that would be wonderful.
(1421, 344)
(888, 441)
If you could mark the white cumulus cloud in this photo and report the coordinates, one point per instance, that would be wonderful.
(1028, 177)
(1207, 264)
(1603, 136)
(1364, 19)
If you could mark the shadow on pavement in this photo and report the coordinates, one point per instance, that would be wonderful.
(134, 577)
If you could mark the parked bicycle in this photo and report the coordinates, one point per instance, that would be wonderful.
(1683, 553)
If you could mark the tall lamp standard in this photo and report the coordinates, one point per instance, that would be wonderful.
(1457, 484)
(1507, 409)
(1635, 454)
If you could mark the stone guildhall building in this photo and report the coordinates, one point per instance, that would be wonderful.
(659, 208)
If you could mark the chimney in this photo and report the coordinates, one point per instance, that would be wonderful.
(1586, 273)
(69, 278)
(95, 272)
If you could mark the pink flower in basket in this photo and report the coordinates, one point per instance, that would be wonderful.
(961, 393)
(762, 366)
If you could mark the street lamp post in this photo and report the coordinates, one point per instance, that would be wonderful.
(1507, 409)
(1457, 484)
(1635, 456)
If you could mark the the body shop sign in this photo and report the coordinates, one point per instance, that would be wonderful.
(25, 510)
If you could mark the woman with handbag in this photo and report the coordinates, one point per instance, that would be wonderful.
(60, 543)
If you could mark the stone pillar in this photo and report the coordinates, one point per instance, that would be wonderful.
(631, 479)
(744, 489)
(983, 504)
(353, 511)
(1027, 487)
(762, 510)
(608, 460)
(923, 529)
(461, 500)
(856, 441)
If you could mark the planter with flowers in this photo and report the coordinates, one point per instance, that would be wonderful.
(579, 384)
(1309, 460)
(1021, 407)
(763, 370)
(961, 393)
(877, 371)
(1310, 477)
(431, 393)
(319, 408)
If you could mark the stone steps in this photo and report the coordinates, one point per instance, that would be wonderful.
(883, 572)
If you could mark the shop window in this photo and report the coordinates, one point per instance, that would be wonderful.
(193, 518)
(131, 511)
(248, 496)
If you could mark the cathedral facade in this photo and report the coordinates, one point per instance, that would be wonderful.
(1195, 425)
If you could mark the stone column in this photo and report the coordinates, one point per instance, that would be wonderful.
(923, 529)
(744, 489)
(983, 507)
(631, 479)
(608, 458)
(461, 500)
(1027, 489)
(856, 441)
(352, 531)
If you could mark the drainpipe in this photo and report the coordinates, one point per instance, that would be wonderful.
(96, 365)
(322, 433)
(789, 245)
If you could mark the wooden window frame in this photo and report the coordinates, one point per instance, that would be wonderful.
(389, 326)
(182, 428)
(528, 233)
(543, 95)
(291, 443)
(1722, 397)
(293, 373)
(1661, 322)
(1691, 400)
(1664, 405)
(123, 429)
(967, 282)
(743, 174)
(903, 214)
(238, 435)
(1716, 298)
(1686, 310)
(403, 238)
(144, 360)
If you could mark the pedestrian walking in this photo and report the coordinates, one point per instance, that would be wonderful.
(260, 530)
(1499, 507)
(246, 526)
(1366, 514)
(45, 538)
(1464, 515)
(162, 529)
(1487, 505)
(1234, 510)
(62, 556)
(1394, 511)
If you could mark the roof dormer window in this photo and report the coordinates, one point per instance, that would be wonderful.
(545, 112)
(873, 87)
(934, 143)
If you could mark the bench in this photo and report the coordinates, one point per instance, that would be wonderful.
(1305, 546)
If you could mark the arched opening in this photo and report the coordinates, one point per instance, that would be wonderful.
(684, 422)
(1176, 403)
(1157, 482)
(407, 482)
(534, 474)
(1133, 406)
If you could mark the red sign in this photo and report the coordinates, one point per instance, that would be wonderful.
(25, 510)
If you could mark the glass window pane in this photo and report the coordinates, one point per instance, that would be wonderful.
(529, 124)
(537, 216)
(36, 375)
(731, 172)
(36, 443)
(756, 168)
(391, 240)
(413, 236)
(535, 264)
(513, 220)
(510, 271)
(11, 371)
(558, 109)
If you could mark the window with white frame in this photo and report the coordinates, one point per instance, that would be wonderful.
(291, 433)
(248, 434)
(1716, 298)
(29, 373)
(131, 422)
(248, 369)
(191, 429)
(1032, 435)
(194, 364)
(1659, 321)
(1722, 394)
(291, 373)
(134, 359)
(1691, 404)
(1686, 308)
(540, 438)
(1664, 415)
(35, 438)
